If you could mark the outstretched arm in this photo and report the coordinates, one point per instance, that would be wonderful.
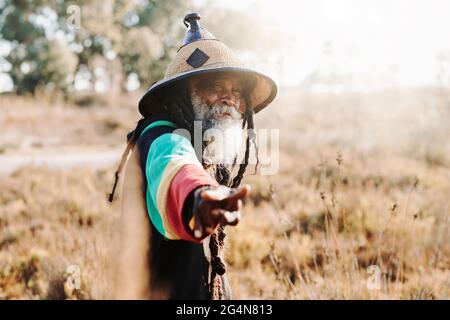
(181, 196)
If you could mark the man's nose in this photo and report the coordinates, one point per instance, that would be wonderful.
(228, 99)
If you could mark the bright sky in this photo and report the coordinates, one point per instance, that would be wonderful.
(372, 38)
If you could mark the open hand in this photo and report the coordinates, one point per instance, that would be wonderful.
(217, 205)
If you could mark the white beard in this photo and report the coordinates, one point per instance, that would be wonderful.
(222, 137)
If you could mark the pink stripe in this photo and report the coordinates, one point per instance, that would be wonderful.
(188, 178)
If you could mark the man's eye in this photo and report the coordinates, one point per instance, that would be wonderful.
(237, 93)
(214, 87)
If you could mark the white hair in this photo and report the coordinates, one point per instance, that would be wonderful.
(222, 137)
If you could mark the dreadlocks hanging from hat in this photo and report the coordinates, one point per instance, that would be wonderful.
(177, 200)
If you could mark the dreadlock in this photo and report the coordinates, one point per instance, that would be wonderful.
(178, 107)
(132, 138)
(217, 240)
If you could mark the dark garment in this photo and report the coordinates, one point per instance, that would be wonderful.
(179, 266)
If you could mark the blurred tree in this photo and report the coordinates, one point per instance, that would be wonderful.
(153, 31)
(116, 40)
(47, 53)
(137, 33)
(36, 63)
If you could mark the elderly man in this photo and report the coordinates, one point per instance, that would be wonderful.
(179, 192)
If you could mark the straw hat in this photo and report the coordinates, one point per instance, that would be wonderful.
(202, 53)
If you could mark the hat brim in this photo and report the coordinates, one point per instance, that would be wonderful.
(262, 93)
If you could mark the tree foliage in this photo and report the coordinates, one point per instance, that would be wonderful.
(118, 37)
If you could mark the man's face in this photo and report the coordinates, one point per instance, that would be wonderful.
(216, 101)
(219, 90)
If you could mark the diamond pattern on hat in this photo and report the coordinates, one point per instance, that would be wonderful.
(197, 58)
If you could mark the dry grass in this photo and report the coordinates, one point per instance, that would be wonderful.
(326, 224)
(50, 220)
(33, 123)
(363, 181)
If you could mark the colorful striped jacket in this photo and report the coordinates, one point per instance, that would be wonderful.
(173, 172)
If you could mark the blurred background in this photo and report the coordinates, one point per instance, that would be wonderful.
(359, 206)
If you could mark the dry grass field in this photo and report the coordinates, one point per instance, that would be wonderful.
(359, 208)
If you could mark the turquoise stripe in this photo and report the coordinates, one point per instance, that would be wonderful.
(159, 123)
(153, 212)
(162, 151)
(151, 206)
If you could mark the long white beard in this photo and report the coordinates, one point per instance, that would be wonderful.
(222, 137)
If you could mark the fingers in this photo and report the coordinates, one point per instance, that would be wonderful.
(198, 226)
(239, 193)
(234, 202)
(230, 205)
(215, 194)
(204, 221)
(231, 218)
(209, 223)
(223, 193)
(220, 205)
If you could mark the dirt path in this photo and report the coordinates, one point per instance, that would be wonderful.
(62, 157)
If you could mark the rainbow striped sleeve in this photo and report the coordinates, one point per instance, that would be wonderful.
(173, 172)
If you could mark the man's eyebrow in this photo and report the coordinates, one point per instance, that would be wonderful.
(238, 83)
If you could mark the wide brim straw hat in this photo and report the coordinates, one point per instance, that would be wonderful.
(201, 53)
